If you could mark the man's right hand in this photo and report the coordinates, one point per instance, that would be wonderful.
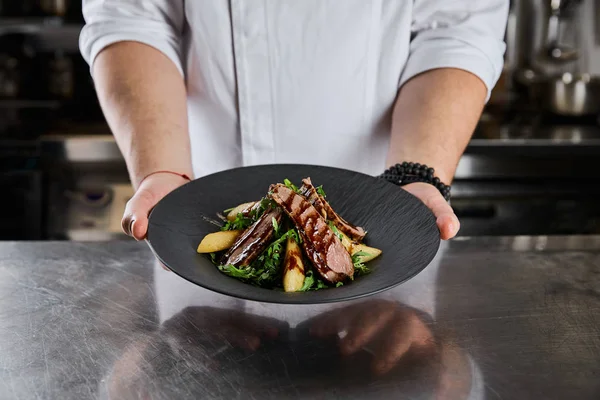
(150, 192)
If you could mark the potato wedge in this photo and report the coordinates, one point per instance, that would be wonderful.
(368, 253)
(218, 241)
(239, 209)
(346, 241)
(293, 267)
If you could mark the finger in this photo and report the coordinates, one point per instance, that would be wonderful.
(135, 218)
(446, 220)
(263, 326)
(164, 266)
(396, 343)
(364, 328)
(219, 325)
(332, 322)
(243, 340)
(407, 332)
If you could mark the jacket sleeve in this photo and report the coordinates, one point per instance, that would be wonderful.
(463, 34)
(156, 23)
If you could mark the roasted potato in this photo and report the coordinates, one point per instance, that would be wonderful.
(346, 242)
(239, 209)
(293, 267)
(353, 248)
(218, 241)
(367, 253)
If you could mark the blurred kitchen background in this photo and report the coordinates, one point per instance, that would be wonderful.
(532, 168)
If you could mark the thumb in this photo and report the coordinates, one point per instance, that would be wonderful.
(151, 191)
(135, 218)
(446, 220)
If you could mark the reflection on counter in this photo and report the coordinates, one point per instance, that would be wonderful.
(510, 318)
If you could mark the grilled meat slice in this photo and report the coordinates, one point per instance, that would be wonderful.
(308, 190)
(325, 250)
(253, 240)
(355, 232)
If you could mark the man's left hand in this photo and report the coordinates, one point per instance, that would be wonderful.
(446, 220)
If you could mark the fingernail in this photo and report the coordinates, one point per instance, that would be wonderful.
(131, 228)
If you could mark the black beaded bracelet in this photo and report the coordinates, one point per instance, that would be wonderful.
(407, 172)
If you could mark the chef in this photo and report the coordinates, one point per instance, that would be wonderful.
(194, 87)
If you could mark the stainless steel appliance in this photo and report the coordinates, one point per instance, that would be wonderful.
(88, 186)
(556, 52)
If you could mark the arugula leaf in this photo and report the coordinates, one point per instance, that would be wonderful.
(242, 222)
(290, 185)
(239, 223)
(296, 236)
(238, 272)
(339, 284)
(228, 210)
(312, 282)
(265, 271)
(320, 191)
(335, 230)
(309, 281)
(356, 256)
(275, 226)
(361, 269)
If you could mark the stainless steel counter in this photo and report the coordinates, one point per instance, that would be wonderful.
(512, 318)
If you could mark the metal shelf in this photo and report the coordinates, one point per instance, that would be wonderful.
(52, 32)
(17, 103)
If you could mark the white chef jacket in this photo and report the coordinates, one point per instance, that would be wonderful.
(309, 81)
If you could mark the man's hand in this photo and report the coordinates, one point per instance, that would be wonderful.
(434, 117)
(150, 192)
(389, 328)
(446, 220)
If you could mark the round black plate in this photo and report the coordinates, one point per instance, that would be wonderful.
(397, 222)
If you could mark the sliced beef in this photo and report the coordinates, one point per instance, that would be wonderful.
(325, 250)
(308, 190)
(253, 240)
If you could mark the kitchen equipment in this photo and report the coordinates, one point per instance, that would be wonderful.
(10, 78)
(554, 49)
(54, 7)
(558, 58)
(398, 223)
(17, 57)
(61, 83)
(566, 94)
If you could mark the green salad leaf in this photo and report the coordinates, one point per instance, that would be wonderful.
(290, 185)
(312, 282)
(265, 271)
(360, 268)
(320, 191)
(239, 223)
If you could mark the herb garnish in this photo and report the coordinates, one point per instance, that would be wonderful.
(360, 268)
(335, 230)
(320, 191)
(311, 282)
(290, 185)
(265, 271)
(239, 223)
